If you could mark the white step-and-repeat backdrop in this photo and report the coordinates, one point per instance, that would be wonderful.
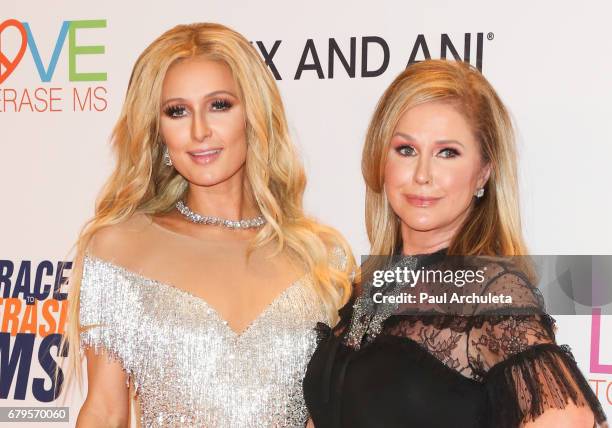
(64, 69)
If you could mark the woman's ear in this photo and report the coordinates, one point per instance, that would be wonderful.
(484, 175)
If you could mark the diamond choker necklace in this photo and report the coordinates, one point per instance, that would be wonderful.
(230, 224)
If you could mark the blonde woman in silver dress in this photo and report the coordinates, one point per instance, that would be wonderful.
(199, 280)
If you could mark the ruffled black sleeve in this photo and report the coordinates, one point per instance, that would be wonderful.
(523, 369)
(525, 385)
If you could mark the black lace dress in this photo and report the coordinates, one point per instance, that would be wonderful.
(476, 365)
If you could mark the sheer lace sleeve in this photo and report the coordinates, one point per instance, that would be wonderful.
(512, 349)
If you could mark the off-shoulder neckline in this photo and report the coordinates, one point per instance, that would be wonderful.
(296, 284)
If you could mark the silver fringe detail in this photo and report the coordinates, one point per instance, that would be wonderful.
(188, 366)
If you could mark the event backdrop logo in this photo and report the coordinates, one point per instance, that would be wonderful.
(337, 60)
(602, 387)
(51, 98)
(33, 312)
(363, 57)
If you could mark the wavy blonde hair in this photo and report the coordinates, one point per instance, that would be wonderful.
(493, 227)
(140, 183)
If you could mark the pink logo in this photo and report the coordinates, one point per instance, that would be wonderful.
(596, 365)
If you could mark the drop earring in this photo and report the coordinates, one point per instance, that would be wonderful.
(166, 157)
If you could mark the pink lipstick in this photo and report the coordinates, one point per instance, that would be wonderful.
(204, 157)
(421, 201)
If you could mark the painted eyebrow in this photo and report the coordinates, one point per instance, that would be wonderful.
(212, 94)
(439, 142)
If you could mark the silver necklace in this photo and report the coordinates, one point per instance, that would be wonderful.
(230, 224)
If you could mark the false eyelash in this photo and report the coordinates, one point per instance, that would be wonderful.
(174, 110)
(221, 104)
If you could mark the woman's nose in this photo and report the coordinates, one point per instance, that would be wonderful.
(199, 128)
(422, 175)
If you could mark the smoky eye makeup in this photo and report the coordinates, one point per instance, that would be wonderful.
(449, 152)
(221, 104)
(408, 150)
(175, 110)
(404, 149)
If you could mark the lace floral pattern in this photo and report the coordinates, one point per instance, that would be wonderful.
(441, 346)
(510, 350)
(509, 336)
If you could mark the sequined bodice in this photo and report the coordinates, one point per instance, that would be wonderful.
(188, 366)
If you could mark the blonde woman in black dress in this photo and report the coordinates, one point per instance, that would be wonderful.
(440, 169)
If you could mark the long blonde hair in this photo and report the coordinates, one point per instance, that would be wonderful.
(493, 227)
(140, 183)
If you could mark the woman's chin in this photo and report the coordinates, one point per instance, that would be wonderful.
(206, 179)
(422, 224)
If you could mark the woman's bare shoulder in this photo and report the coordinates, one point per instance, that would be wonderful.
(115, 241)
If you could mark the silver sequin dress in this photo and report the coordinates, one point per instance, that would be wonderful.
(188, 366)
